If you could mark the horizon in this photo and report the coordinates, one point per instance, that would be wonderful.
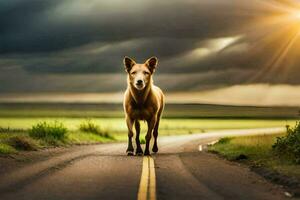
(233, 96)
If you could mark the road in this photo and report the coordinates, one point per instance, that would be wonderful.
(178, 171)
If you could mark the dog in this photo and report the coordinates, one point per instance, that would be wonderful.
(142, 101)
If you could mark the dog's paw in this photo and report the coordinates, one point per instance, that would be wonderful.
(154, 149)
(130, 153)
(139, 152)
(147, 153)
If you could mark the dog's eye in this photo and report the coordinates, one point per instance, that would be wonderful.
(146, 73)
(133, 73)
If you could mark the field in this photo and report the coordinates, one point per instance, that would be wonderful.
(256, 151)
(168, 126)
(105, 110)
(17, 118)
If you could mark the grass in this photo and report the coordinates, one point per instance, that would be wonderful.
(142, 141)
(46, 134)
(8, 129)
(256, 151)
(87, 138)
(289, 145)
(29, 123)
(37, 132)
(117, 126)
(6, 149)
(88, 126)
(12, 143)
(49, 132)
(21, 142)
(115, 110)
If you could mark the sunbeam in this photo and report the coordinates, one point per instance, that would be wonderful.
(278, 34)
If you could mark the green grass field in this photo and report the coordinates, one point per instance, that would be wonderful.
(116, 128)
(178, 119)
(167, 126)
(103, 110)
(257, 151)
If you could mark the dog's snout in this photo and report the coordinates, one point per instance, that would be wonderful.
(139, 82)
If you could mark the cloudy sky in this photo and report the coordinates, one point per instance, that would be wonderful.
(75, 46)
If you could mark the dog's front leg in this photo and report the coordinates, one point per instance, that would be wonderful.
(129, 123)
(151, 124)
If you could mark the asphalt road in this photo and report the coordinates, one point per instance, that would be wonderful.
(179, 171)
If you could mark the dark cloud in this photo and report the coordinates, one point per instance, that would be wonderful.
(33, 26)
(55, 45)
(31, 83)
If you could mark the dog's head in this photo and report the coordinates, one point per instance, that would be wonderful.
(139, 75)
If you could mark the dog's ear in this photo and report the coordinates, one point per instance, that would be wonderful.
(128, 63)
(152, 63)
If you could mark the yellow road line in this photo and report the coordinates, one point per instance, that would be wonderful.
(152, 184)
(143, 189)
(147, 188)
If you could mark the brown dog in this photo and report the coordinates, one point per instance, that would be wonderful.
(142, 101)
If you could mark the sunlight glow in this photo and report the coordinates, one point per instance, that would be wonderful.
(219, 44)
(280, 33)
(297, 15)
(224, 42)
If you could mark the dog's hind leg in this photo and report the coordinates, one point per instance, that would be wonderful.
(155, 135)
(151, 124)
(130, 149)
(138, 150)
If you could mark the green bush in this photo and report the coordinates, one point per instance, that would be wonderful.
(48, 131)
(89, 126)
(289, 145)
(224, 140)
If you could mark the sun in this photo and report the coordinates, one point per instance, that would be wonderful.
(278, 33)
(296, 15)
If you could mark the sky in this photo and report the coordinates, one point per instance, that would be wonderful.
(203, 46)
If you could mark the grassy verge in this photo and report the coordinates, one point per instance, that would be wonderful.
(118, 128)
(257, 151)
(45, 134)
(98, 130)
